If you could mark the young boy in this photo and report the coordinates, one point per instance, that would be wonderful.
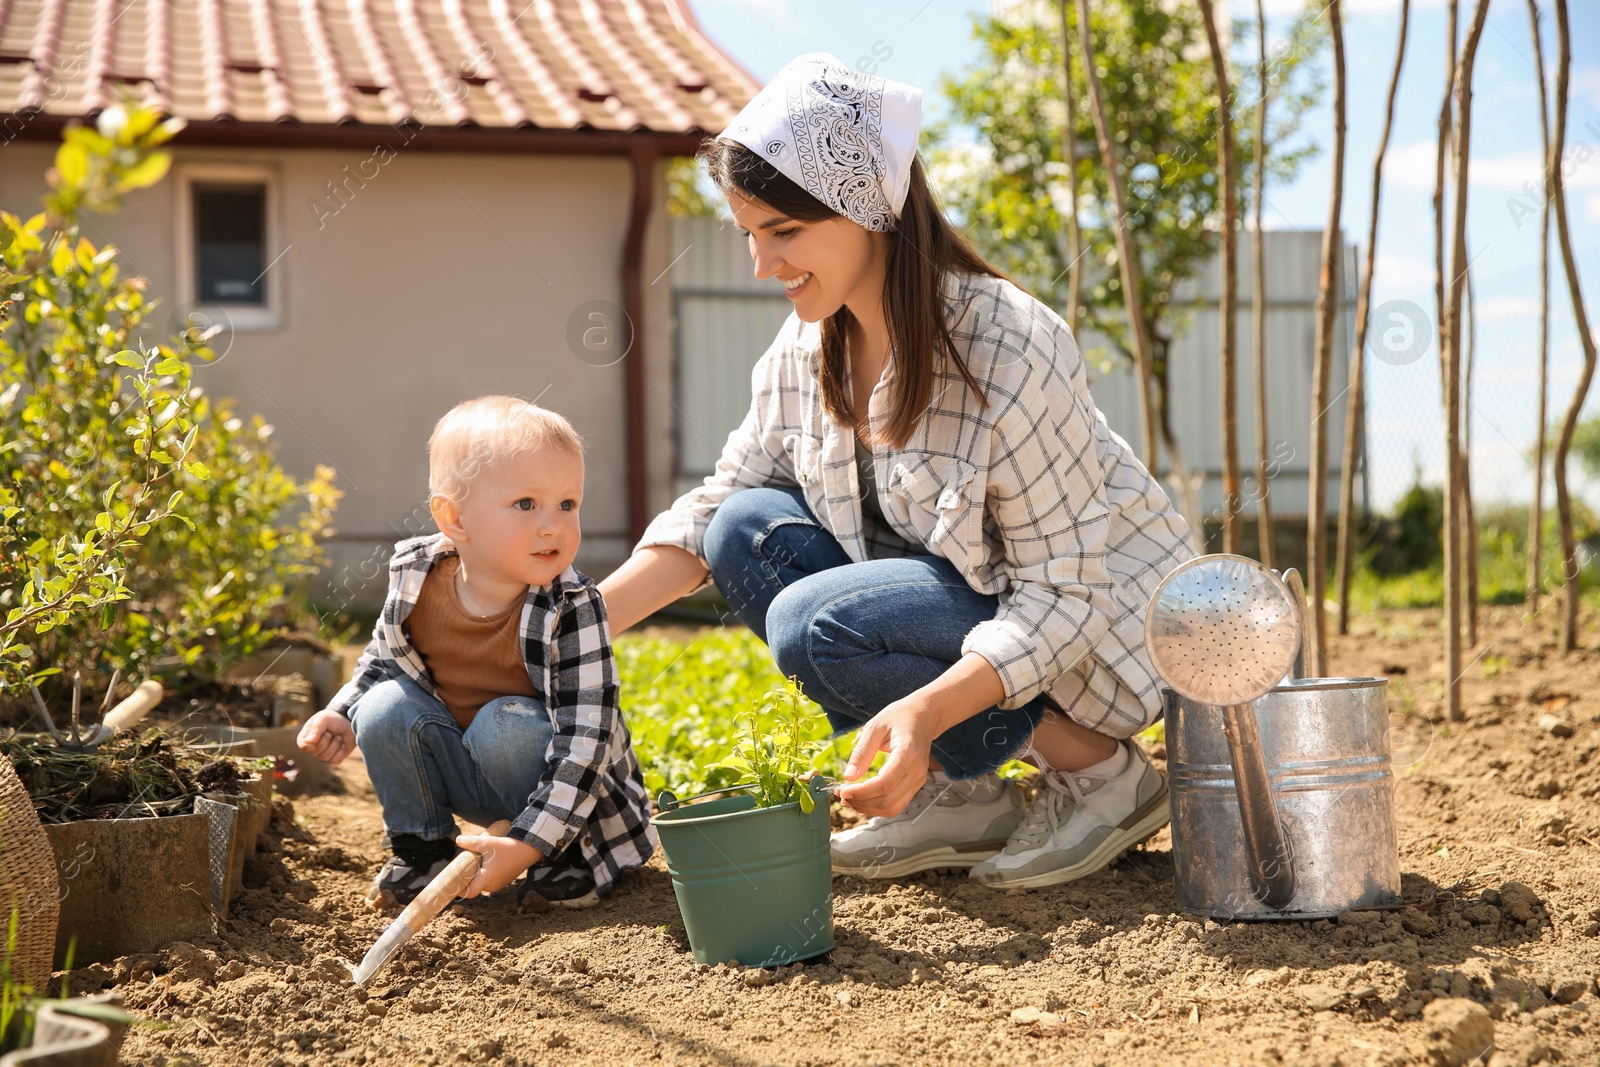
(489, 688)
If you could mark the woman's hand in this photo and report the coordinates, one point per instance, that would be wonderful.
(503, 859)
(905, 730)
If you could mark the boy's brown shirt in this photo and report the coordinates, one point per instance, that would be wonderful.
(472, 659)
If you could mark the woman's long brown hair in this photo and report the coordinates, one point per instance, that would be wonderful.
(924, 250)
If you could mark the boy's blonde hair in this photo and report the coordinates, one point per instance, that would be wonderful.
(477, 432)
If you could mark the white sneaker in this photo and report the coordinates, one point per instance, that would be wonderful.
(1079, 824)
(941, 829)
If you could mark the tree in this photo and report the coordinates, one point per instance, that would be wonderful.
(1536, 512)
(1008, 188)
(1354, 400)
(1227, 179)
(1453, 542)
(1332, 243)
(1558, 197)
(690, 193)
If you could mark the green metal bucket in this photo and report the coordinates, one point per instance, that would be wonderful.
(753, 884)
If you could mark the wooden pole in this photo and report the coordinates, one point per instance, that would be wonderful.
(1327, 297)
(1069, 150)
(1452, 501)
(1228, 179)
(1558, 198)
(1355, 401)
(1454, 498)
(1258, 303)
(1127, 255)
(1536, 512)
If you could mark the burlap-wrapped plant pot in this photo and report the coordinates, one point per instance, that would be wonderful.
(28, 882)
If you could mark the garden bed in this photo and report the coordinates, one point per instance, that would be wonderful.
(1499, 844)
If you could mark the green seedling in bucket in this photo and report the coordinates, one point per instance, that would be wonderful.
(777, 767)
(751, 872)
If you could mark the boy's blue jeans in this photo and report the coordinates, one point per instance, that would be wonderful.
(858, 636)
(426, 769)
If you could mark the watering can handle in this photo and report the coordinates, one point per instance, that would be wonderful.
(1307, 664)
(1271, 862)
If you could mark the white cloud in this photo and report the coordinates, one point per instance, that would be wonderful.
(1401, 272)
(1506, 307)
(1365, 7)
(1592, 206)
(1586, 82)
(1522, 374)
(1288, 8)
(1410, 166)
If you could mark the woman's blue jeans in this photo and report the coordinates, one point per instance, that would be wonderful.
(426, 769)
(857, 636)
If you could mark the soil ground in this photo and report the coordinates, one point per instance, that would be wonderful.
(1500, 849)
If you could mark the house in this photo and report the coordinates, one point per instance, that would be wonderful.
(392, 205)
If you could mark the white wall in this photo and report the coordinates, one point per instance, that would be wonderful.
(442, 277)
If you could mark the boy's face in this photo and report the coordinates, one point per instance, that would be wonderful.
(519, 521)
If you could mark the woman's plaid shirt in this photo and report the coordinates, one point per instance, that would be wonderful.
(1030, 496)
(591, 791)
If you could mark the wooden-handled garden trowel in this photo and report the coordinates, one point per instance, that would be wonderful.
(445, 887)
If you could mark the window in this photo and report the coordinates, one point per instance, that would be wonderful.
(230, 253)
(232, 260)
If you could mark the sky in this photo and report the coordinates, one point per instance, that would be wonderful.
(915, 41)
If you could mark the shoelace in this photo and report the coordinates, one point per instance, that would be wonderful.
(1057, 794)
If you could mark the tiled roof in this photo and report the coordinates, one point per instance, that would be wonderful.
(613, 65)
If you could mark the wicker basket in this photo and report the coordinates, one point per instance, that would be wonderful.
(28, 883)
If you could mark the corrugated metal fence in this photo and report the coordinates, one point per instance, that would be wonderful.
(725, 319)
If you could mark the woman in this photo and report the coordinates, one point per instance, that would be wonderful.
(923, 514)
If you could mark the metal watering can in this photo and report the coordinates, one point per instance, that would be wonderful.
(1281, 790)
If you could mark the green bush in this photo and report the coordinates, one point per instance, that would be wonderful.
(1418, 531)
(142, 525)
(1502, 564)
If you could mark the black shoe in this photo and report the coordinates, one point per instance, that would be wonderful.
(414, 864)
(564, 881)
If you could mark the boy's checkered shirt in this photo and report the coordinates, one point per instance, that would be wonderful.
(592, 791)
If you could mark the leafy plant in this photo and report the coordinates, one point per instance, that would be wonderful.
(676, 696)
(103, 438)
(16, 1021)
(777, 762)
(676, 693)
(67, 523)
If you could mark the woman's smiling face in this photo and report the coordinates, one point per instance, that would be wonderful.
(823, 265)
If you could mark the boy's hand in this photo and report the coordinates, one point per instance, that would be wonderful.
(503, 859)
(328, 736)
